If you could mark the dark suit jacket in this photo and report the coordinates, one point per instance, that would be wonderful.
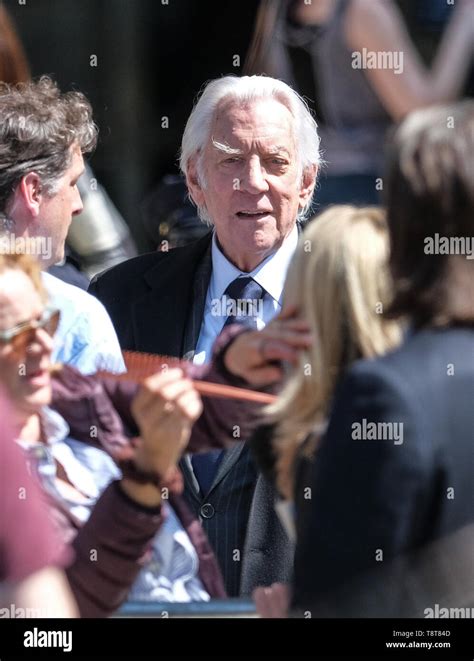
(156, 302)
(369, 496)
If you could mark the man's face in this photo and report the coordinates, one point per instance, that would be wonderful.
(253, 193)
(56, 211)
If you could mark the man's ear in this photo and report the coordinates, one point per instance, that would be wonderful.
(193, 183)
(308, 183)
(30, 192)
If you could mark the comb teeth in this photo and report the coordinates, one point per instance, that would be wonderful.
(141, 365)
(146, 364)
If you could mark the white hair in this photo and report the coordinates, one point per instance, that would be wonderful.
(246, 89)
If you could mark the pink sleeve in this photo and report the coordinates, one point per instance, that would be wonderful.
(28, 540)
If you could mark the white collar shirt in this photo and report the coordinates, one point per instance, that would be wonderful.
(269, 274)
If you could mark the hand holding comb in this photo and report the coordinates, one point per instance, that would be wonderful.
(142, 365)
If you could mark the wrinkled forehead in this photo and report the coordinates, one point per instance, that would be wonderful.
(266, 120)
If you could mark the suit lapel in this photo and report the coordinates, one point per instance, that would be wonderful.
(202, 277)
(230, 457)
(160, 317)
(189, 478)
(228, 461)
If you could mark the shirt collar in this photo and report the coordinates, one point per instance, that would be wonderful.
(270, 274)
(54, 426)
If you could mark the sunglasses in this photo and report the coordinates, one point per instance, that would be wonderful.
(22, 336)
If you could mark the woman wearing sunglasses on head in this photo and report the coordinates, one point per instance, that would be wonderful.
(126, 516)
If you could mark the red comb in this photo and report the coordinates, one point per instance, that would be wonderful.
(142, 365)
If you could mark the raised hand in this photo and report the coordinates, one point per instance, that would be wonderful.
(165, 409)
(257, 356)
(272, 602)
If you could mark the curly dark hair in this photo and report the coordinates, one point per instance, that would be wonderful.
(38, 127)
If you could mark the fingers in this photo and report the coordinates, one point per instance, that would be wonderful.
(266, 376)
(281, 596)
(260, 600)
(272, 601)
(183, 404)
(272, 350)
(296, 332)
(251, 354)
(189, 403)
(296, 324)
(165, 408)
(160, 390)
(166, 398)
(151, 385)
(242, 353)
(288, 311)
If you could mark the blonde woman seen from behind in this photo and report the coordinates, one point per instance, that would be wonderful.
(339, 283)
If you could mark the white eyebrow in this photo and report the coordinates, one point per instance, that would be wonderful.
(231, 151)
(277, 149)
(226, 149)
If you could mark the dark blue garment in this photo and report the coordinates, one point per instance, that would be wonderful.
(385, 494)
(205, 467)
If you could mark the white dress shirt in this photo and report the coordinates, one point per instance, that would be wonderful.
(269, 274)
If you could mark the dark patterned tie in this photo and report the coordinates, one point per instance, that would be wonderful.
(243, 298)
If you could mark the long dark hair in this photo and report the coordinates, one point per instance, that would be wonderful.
(430, 195)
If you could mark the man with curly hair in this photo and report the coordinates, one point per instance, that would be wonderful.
(43, 136)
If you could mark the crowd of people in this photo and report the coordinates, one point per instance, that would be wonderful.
(159, 487)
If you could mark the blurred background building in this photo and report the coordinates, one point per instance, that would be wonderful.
(142, 63)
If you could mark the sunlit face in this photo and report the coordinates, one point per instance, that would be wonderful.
(253, 188)
(56, 211)
(25, 376)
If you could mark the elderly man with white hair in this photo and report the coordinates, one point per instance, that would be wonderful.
(250, 155)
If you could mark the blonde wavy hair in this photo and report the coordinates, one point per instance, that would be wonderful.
(340, 282)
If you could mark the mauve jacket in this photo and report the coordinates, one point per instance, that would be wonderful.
(112, 546)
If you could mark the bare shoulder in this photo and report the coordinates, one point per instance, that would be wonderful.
(367, 19)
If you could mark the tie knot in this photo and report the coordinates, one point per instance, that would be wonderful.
(244, 288)
(243, 301)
